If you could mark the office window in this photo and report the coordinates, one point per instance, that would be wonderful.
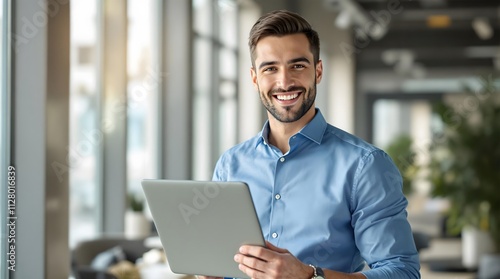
(85, 133)
(228, 74)
(143, 85)
(393, 118)
(85, 55)
(215, 72)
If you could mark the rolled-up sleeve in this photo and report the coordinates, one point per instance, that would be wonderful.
(382, 232)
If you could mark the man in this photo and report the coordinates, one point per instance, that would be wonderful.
(329, 199)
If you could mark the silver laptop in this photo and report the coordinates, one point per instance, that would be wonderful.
(202, 224)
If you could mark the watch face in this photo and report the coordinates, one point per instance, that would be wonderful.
(320, 273)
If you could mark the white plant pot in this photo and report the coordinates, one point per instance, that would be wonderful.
(475, 244)
(136, 225)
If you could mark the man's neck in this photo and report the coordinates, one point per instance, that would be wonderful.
(280, 133)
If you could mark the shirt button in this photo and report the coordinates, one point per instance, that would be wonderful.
(274, 235)
(278, 196)
(282, 159)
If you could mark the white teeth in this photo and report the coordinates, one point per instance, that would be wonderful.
(287, 97)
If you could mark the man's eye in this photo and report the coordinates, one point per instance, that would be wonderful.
(298, 66)
(270, 69)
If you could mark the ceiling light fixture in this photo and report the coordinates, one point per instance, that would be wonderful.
(438, 21)
(483, 28)
(403, 62)
(350, 13)
(343, 20)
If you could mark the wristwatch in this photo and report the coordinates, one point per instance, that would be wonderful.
(318, 272)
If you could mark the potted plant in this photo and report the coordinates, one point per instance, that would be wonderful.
(404, 156)
(465, 168)
(137, 224)
(401, 151)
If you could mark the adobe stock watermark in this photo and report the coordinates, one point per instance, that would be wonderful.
(30, 27)
(93, 138)
(201, 200)
(470, 104)
(372, 29)
(455, 116)
(11, 218)
(325, 249)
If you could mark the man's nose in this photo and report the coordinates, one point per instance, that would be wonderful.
(284, 80)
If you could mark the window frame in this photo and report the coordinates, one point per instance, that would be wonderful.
(204, 160)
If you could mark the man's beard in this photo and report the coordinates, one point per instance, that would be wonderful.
(308, 98)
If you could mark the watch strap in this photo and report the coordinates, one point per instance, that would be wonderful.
(318, 272)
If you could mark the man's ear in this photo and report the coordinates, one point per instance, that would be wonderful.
(319, 71)
(253, 74)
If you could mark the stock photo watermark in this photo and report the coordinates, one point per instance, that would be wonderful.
(30, 27)
(455, 115)
(11, 218)
(94, 138)
(469, 105)
(458, 112)
(201, 200)
(373, 29)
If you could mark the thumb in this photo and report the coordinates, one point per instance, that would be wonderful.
(276, 249)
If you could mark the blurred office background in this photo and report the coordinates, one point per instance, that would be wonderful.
(99, 94)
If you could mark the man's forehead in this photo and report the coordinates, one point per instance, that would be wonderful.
(284, 47)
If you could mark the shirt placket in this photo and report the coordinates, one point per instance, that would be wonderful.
(276, 224)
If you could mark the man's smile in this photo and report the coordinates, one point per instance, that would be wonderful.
(286, 97)
(289, 97)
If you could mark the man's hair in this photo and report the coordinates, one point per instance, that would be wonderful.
(280, 23)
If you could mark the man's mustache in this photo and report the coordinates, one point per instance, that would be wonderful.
(290, 89)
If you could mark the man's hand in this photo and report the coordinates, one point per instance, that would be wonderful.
(271, 262)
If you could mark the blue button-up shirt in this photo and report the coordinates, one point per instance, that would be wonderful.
(332, 200)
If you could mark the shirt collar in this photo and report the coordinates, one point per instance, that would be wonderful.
(264, 135)
(313, 130)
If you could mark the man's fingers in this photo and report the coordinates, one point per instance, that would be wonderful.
(252, 273)
(249, 261)
(275, 248)
(251, 266)
(256, 252)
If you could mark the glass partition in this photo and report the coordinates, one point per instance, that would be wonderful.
(85, 133)
(143, 85)
(215, 82)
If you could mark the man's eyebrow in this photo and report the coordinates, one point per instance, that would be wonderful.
(300, 59)
(267, 63)
(291, 61)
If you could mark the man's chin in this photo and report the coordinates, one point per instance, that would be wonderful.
(286, 117)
